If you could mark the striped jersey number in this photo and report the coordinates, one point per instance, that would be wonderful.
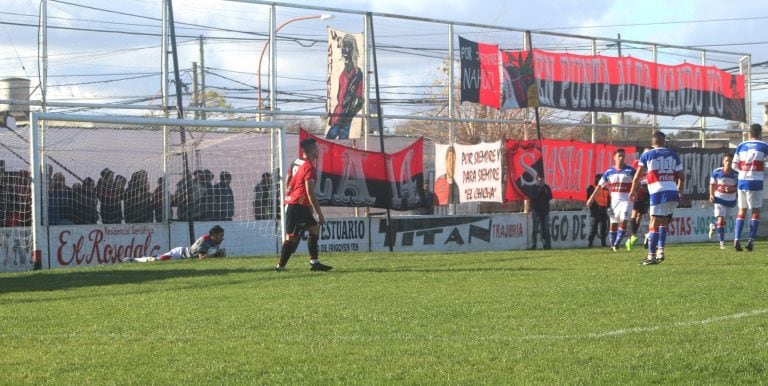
(748, 164)
(666, 168)
(666, 165)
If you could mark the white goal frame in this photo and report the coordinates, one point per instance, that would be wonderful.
(37, 125)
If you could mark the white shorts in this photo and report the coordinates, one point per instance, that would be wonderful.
(175, 253)
(724, 211)
(750, 199)
(620, 211)
(664, 208)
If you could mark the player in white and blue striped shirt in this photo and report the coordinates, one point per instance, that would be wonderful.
(722, 193)
(749, 162)
(665, 184)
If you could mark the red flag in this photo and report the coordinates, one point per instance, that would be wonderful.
(355, 178)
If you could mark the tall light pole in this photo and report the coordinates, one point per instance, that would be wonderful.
(266, 44)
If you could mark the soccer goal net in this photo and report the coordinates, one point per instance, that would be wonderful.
(125, 174)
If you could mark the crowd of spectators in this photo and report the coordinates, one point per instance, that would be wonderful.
(113, 199)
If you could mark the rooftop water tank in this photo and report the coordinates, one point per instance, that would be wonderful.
(16, 89)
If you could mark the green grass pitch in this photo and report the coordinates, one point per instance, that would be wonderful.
(519, 317)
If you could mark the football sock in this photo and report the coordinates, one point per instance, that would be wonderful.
(662, 230)
(653, 240)
(286, 251)
(739, 226)
(721, 233)
(312, 245)
(753, 224)
(619, 236)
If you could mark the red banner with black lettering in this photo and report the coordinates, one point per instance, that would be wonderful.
(350, 177)
(617, 84)
(569, 167)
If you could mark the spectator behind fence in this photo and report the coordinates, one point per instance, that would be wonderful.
(61, 202)
(180, 198)
(157, 201)
(261, 198)
(85, 202)
(109, 196)
(223, 198)
(77, 194)
(188, 197)
(138, 199)
(199, 209)
(207, 203)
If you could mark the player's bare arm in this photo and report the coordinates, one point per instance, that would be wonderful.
(310, 186)
(636, 183)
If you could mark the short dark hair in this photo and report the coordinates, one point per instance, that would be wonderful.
(308, 143)
(659, 137)
(215, 230)
(755, 130)
(619, 151)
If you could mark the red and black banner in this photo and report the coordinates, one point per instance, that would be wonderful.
(570, 166)
(355, 178)
(518, 82)
(617, 84)
(480, 73)
(524, 163)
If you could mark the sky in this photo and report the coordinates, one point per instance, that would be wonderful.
(87, 64)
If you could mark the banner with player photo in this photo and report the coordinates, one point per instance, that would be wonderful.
(617, 84)
(350, 177)
(570, 166)
(468, 173)
(345, 84)
(480, 73)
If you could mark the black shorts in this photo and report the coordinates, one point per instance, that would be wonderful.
(298, 218)
(641, 206)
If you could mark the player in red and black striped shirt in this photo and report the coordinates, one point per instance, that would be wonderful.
(300, 200)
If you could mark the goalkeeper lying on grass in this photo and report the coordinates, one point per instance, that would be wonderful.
(206, 246)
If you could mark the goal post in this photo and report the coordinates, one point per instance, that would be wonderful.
(125, 174)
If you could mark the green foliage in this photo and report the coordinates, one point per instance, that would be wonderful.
(516, 317)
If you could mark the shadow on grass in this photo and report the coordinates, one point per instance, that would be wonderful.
(66, 279)
(62, 279)
(441, 270)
